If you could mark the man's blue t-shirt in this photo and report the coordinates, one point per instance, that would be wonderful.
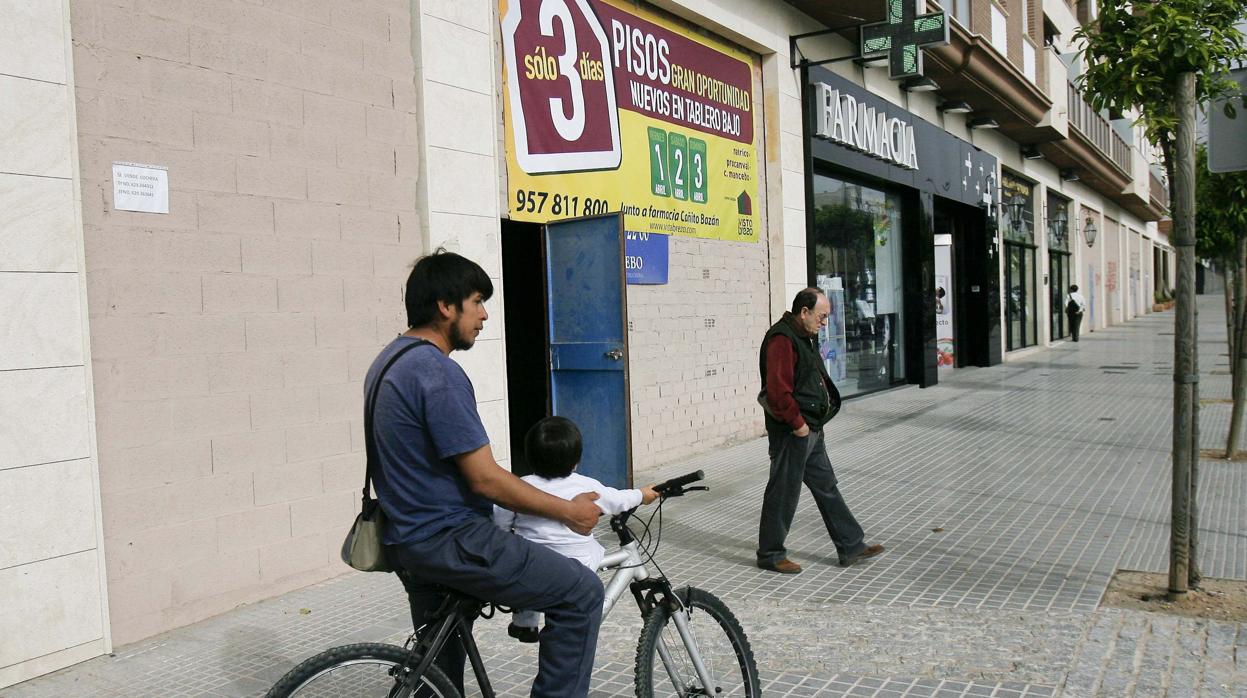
(425, 416)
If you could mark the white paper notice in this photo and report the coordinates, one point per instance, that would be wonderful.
(143, 188)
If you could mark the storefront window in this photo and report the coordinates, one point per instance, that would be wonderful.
(1017, 220)
(857, 263)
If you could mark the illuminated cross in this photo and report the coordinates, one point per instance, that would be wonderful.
(903, 35)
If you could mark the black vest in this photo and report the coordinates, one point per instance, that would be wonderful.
(810, 384)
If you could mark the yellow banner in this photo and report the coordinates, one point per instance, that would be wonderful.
(610, 108)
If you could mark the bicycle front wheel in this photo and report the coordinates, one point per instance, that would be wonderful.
(365, 669)
(666, 666)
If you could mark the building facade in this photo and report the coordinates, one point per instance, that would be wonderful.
(210, 209)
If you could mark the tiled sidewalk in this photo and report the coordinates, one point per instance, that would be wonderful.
(1006, 496)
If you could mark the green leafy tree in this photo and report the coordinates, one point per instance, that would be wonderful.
(1136, 50)
(1159, 58)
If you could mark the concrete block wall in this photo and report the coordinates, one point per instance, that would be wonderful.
(53, 611)
(230, 336)
(693, 350)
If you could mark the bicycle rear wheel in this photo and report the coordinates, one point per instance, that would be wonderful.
(365, 669)
(665, 666)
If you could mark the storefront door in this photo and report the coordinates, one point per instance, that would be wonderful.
(1020, 326)
(1018, 224)
(588, 338)
(1059, 281)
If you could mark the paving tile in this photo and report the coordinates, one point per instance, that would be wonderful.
(1043, 476)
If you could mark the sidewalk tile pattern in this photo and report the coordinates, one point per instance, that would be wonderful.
(1006, 497)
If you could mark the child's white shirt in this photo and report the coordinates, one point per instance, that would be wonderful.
(553, 534)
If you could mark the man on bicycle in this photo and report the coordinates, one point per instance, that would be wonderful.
(438, 481)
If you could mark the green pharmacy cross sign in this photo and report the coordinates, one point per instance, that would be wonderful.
(902, 36)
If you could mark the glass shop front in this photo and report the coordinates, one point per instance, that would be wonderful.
(879, 179)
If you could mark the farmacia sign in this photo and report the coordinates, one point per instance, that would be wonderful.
(842, 118)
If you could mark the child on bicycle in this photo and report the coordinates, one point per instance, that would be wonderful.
(553, 448)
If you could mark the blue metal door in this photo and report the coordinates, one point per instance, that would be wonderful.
(588, 340)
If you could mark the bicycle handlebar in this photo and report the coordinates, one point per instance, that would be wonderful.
(675, 486)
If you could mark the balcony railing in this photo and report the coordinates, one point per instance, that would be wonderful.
(1159, 191)
(1097, 129)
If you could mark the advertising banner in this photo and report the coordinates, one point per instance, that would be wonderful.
(832, 343)
(945, 344)
(609, 107)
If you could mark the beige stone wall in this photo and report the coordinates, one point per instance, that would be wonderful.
(230, 336)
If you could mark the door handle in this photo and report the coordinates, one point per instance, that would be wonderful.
(614, 354)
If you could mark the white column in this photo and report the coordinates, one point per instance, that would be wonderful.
(461, 188)
(55, 611)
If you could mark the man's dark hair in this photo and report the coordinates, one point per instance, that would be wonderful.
(1073, 288)
(446, 277)
(805, 299)
(553, 447)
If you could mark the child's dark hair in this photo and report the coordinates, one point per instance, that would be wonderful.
(553, 447)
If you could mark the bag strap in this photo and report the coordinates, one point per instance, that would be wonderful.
(370, 441)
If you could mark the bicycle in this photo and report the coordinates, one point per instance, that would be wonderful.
(694, 657)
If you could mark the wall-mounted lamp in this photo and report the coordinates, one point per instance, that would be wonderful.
(1069, 175)
(1089, 232)
(1015, 207)
(1031, 152)
(982, 122)
(1058, 228)
(957, 107)
(920, 83)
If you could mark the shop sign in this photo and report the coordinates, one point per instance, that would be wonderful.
(843, 119)
(903, 36)
(610, 107)
(947, 165)
(646, 258)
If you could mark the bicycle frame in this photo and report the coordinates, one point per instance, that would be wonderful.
(453, 624)
(628, 568)
(631, 573)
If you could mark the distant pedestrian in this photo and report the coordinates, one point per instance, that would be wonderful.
(799, 397)
(1075, 304)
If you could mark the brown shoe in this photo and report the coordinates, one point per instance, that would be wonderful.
(868, 551)
(784, 566)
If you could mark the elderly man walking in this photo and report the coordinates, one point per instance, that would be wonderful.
(799, 398)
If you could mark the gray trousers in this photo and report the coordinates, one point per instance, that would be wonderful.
(796, 460)
(479, 559)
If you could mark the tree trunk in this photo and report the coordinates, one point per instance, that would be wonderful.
(1231, 315)
(1238, 359)
(1184, 375)
(1192, 564)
